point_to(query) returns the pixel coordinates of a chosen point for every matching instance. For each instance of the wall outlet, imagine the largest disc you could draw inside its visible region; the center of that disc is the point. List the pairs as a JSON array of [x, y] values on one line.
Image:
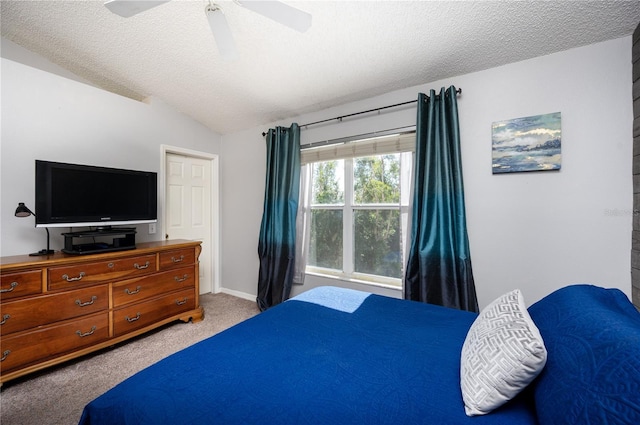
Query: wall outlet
[[152, 228]]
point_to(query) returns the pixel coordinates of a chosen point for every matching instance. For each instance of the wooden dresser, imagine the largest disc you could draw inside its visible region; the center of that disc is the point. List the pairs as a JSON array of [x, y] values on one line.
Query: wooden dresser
[[58, 307]]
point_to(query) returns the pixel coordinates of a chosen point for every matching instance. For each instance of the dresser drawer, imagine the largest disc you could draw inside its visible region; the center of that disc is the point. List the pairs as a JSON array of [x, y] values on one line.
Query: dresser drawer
[[177, 258], [43, 343], [29, 313], [136, 316], [138, 289], [93, 272], [14, 285]]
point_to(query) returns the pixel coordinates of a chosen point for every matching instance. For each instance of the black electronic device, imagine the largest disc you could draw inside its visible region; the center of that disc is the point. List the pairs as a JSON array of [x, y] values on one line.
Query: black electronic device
[[74, 195], [105, 240]]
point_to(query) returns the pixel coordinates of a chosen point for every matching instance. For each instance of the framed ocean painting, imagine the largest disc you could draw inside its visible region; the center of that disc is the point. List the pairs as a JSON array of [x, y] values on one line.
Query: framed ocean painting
[[526, 144]]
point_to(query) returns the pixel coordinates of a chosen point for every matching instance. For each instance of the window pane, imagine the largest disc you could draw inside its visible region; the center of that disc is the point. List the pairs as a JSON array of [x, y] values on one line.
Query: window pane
[[328, 183], [376, 179], [377, 242], [325, 243]]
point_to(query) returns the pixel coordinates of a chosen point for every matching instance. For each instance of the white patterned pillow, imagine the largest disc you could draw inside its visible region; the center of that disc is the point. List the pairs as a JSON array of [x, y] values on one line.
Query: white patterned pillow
[[502, 353]]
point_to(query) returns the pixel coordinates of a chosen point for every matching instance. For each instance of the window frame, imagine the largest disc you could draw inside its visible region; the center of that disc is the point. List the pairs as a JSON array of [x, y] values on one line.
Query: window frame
[[348, 208]]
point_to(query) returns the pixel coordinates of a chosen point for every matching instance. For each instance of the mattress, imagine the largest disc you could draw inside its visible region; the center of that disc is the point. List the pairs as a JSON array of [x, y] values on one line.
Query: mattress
[[328, 356]]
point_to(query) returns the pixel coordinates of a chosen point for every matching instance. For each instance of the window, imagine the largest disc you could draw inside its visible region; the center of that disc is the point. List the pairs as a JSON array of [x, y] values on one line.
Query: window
[[358, 207]]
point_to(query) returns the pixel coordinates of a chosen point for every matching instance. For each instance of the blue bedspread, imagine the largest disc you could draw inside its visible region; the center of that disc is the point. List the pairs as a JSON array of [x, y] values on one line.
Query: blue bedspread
[[329, 356]]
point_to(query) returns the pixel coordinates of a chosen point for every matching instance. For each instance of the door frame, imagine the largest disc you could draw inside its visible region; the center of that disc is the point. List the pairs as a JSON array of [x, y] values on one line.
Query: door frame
[[214, 237]]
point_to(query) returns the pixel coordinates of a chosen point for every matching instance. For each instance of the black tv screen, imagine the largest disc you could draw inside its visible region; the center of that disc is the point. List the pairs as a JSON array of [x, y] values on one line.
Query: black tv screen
[[83, 195]]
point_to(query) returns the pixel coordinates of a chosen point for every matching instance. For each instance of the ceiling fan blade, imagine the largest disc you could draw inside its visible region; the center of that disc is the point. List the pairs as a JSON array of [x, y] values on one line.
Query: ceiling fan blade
[[221, 31], [128, 8], [281, 13]]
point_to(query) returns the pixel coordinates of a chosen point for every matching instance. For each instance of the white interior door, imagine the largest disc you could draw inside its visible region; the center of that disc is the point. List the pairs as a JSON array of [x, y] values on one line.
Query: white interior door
[[188, 195]]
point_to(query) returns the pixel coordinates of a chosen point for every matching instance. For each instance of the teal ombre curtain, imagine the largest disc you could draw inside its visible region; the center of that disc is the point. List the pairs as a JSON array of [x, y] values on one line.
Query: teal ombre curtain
[[439, 263], [276, 244]]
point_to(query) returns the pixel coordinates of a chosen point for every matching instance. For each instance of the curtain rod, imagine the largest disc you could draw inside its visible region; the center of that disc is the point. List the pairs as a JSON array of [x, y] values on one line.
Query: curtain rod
[[340, 118]]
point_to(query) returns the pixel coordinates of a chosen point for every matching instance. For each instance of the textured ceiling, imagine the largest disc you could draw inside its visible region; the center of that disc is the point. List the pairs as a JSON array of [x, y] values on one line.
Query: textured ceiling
[[354, 49]]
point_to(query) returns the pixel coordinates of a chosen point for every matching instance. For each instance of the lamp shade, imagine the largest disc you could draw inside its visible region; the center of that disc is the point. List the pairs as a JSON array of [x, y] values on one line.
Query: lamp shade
[[23, 211]]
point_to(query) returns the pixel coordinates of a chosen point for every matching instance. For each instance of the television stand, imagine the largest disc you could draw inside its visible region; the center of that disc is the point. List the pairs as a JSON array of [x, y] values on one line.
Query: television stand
[[101, 240], [60, 307]]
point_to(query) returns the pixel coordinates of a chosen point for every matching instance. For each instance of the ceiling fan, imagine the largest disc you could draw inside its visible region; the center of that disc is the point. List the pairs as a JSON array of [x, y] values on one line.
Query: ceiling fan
[[274, 10]]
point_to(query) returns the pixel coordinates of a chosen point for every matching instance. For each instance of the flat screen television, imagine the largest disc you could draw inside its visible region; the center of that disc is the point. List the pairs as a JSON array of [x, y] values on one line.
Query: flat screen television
[[74, 195]]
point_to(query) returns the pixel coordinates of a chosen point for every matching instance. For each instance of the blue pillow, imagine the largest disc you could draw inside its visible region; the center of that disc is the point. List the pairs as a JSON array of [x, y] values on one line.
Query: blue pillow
[[592, 375]]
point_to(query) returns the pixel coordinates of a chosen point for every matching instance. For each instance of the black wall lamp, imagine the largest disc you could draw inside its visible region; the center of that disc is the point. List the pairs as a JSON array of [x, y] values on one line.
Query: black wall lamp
[[24, 211]]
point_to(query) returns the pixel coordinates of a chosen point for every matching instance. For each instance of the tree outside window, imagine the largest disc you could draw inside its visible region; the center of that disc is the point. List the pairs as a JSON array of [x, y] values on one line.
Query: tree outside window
[[356, 211]]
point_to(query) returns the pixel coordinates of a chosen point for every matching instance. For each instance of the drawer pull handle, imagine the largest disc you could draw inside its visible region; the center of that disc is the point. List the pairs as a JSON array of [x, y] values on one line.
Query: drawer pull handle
[[110, 265], [133, 319], [5, 354], [82, 335], [13, 286], [128, 292], [181, 302], [181, 279], [5, 318], [139, 267], [73, 279], [177, 259], [81, 304]]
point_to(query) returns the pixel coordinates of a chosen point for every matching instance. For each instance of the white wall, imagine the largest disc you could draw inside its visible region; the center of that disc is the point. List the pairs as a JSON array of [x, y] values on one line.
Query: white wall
[[17, 53], [533, 231], [48, 117]]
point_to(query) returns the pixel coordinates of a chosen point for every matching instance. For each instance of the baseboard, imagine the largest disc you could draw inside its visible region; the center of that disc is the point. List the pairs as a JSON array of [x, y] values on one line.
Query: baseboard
[[238, 294]]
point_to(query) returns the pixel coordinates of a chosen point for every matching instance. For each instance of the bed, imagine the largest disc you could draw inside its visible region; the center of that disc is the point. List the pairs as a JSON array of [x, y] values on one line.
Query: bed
[[338, 356]]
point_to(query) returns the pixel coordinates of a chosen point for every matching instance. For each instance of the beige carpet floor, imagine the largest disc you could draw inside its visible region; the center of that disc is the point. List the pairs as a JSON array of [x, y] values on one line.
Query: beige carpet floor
[[57, 395]]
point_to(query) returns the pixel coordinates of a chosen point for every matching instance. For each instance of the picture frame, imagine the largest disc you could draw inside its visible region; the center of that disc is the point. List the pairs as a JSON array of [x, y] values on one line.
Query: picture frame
[[526, 144]]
